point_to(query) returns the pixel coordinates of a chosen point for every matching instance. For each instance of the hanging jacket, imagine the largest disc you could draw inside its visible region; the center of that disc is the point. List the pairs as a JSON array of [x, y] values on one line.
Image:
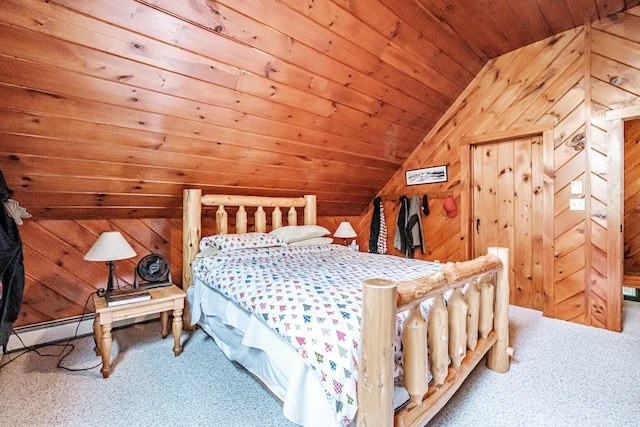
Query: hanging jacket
[[415, 236], [400, 238], [11, 268]]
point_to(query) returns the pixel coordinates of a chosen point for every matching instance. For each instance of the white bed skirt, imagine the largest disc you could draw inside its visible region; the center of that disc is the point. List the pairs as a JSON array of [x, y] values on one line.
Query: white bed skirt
[[245, 339]]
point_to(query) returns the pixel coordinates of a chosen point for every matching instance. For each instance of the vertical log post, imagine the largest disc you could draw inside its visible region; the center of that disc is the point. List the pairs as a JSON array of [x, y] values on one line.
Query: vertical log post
[[487, 298], [261, 220], [192, 231], [292, 217], [458, 310], [276, 218], [498, 355], [414, 340], [472, 296], [222, 220], [438, 339], [310, 210], [241, 220], [375, 378]]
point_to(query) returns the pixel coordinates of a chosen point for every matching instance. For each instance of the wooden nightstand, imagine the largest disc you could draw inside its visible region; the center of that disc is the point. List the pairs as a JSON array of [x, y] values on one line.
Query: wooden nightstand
[[163, 300]]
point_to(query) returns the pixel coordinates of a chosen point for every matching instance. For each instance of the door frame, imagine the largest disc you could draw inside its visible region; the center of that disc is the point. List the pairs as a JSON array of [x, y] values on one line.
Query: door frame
[[615, 209], [466, 162]]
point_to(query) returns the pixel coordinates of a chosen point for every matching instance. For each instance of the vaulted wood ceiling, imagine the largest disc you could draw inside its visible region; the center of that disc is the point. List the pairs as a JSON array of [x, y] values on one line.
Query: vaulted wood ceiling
[[111, 109]]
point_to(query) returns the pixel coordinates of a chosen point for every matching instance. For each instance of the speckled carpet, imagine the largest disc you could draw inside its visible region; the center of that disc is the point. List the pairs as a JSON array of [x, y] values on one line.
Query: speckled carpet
[[562, 374]]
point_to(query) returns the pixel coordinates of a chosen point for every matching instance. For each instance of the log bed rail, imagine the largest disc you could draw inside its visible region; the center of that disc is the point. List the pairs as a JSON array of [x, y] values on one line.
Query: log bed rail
[[456, 339]]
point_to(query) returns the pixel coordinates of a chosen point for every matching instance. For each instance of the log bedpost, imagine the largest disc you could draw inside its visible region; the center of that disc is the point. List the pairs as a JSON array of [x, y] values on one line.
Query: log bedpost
[[499, 353], [310, 210], [192, 231], [191, 217], [375, 378]]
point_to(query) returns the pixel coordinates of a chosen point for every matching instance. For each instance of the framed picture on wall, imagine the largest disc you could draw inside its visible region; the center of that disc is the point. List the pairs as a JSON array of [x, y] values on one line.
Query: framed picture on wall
[[427, 175]]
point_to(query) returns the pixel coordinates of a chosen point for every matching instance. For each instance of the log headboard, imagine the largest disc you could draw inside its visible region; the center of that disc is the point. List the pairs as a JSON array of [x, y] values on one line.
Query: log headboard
[[193, 201]]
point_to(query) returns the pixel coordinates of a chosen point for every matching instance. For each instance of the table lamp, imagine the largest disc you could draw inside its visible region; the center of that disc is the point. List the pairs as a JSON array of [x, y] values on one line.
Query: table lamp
[[110, 247], [345, 231]]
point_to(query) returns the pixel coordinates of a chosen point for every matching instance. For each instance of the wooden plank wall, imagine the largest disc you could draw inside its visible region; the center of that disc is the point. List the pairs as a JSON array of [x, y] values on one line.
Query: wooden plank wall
[[235, 97], [538, 84], [555, 81], [614, 71], [59, 281]]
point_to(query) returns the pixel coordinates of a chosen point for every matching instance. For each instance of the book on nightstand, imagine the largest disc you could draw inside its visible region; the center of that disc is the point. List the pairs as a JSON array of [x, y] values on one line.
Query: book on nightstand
[[126, 296]]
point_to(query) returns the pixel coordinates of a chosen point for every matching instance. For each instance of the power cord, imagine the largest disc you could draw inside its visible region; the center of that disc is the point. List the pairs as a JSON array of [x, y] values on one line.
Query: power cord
[[65, 346]]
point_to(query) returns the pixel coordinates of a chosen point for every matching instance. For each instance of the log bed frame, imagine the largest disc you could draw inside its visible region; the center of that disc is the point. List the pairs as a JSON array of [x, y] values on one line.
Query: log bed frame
[[485, 310]]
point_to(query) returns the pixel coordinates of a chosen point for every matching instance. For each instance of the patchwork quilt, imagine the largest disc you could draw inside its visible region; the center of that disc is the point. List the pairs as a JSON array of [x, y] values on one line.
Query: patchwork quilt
[[311, 296]]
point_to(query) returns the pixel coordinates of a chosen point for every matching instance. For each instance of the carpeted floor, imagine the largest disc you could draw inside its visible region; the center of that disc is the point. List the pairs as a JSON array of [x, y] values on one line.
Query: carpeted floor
[[562, 374]]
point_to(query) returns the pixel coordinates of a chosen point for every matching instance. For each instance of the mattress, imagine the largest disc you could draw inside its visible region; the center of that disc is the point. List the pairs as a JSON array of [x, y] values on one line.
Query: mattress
[[258, 304]]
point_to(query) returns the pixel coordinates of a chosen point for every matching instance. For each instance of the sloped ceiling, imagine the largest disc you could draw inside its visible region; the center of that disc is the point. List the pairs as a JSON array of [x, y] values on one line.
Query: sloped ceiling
[[112, 109]]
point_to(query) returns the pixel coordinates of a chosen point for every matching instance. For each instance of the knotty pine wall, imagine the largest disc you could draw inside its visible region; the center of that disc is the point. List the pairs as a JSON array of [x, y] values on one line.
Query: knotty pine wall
[[566, 83], [59, 282]]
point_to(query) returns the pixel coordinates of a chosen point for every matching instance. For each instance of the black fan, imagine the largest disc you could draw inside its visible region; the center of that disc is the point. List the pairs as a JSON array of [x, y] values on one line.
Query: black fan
[[154, 270]]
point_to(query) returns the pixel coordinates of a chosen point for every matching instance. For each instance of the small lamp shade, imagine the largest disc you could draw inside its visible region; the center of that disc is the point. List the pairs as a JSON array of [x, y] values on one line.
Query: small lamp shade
[[345, 231], [110, 246]]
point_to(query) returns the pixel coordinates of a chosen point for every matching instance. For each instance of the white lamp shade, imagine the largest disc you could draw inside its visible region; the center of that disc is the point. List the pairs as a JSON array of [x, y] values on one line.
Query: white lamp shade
[[345, 231], [110, 246]]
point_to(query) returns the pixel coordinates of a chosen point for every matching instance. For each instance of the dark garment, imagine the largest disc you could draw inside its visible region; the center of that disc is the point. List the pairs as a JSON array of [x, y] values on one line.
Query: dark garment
[[374, 229], [400, 238], [11, 268], [415, 237]]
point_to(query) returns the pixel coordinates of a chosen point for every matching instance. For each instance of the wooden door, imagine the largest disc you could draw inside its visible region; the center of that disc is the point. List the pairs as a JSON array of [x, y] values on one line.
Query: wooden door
[[632, 204], [507, 211]]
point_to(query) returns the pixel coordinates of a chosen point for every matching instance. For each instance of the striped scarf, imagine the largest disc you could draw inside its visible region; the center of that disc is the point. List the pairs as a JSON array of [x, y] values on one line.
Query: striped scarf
[[382, 237]]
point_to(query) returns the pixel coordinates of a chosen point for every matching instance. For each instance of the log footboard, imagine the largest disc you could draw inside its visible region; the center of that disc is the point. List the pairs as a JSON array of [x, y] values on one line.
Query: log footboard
[[456, 339]]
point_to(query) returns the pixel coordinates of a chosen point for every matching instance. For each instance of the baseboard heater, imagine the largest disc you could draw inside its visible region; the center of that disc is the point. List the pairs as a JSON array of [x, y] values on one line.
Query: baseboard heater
[[61, 330]]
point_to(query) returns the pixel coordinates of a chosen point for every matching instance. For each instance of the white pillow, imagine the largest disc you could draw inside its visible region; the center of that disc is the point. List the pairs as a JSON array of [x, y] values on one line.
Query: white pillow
[[296, 233], [314, 241]]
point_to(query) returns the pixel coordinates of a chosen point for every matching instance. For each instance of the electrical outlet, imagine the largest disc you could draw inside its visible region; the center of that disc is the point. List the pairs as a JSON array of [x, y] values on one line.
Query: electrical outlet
[[576, 204], [576, 187]]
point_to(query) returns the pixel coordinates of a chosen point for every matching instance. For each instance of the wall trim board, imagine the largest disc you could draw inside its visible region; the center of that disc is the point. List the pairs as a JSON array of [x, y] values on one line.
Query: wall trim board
[[615, 220], [615, 211], [627, 113], [62, 330], [588, 111], [507, 134]]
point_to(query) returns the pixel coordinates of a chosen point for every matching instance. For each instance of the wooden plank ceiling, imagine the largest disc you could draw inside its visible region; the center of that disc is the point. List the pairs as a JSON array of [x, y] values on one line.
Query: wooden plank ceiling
[[110, 111]]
